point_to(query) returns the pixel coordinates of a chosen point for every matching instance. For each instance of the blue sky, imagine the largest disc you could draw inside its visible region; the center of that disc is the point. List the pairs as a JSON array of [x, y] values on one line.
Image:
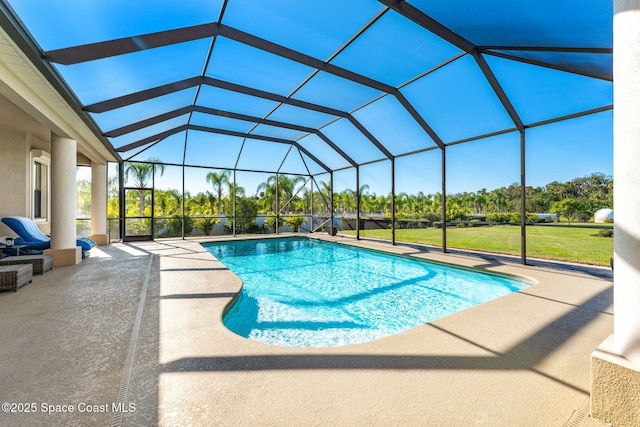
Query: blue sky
[[455, 99]]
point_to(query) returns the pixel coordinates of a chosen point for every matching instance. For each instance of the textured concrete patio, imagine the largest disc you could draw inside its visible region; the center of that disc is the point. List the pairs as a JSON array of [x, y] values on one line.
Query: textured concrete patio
[[137, 328]]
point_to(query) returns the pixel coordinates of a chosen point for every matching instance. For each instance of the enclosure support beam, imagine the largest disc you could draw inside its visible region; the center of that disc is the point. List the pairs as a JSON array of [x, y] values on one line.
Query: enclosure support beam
[[222, 113], [277, 212], [183, 189], [311, 203], [132, 98], [523, 199], [444, 199], [357, 202], [235, 220], [615, 365], [393, 201], [182, 128], [122, 199], [153, 202], [331, 200]]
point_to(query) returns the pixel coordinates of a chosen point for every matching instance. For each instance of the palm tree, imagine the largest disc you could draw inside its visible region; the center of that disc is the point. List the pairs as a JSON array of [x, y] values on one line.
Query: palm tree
[[364, 190], [217, 180], [237, 190], [289, 186], [437, 202], [211, 198], [301, 203], [233, 189], [198, 204], [366, 203], [498, 200], [286, 188], [423, 203], [141, 172], [325, 195], [266, 192], [167, 202], [479, 203], [403, 204]]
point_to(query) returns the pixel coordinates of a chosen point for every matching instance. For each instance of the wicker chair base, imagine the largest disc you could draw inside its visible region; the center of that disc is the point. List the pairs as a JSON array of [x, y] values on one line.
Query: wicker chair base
[[41, 263], [14, 276]]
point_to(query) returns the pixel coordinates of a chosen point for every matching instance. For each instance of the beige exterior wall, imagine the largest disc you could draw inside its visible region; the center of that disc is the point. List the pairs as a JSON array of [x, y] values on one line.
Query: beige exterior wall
[[19, 134], [13, 117], [13, 167]]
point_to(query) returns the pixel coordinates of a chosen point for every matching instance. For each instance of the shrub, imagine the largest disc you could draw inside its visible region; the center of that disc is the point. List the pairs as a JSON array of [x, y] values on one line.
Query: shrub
[[605, 232], [512, 218], [456, 215], [583, 216], [270, 222], [251, 227], [172, 226], [432, 217], [206, 225], [246, 212], [295, 221], [499, 217]]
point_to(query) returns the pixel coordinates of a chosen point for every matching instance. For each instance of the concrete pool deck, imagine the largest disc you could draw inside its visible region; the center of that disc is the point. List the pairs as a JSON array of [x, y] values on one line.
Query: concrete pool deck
[[137, 327]]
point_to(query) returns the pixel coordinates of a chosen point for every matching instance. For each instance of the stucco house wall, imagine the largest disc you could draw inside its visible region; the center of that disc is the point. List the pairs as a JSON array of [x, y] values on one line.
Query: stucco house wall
[[19, 134]]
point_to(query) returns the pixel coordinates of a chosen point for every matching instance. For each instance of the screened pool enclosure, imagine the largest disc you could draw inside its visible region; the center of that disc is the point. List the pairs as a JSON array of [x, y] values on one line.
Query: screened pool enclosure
[[238, 116]]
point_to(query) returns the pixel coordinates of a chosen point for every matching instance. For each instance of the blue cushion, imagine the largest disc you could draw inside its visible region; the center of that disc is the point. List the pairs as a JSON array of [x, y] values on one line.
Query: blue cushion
[[39, 246], [33, 238], [85, 243], [30, 234]]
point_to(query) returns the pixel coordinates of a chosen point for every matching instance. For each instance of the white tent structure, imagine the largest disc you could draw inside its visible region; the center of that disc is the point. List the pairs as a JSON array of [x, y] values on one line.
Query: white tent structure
[[603, 215]]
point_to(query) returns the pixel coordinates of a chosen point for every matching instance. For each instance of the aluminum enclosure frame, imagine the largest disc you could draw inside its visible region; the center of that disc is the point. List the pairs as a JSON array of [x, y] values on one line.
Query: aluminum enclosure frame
[[46, 61]]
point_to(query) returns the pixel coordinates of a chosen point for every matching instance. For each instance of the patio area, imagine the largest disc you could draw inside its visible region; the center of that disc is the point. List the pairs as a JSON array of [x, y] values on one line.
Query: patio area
[[137, 327]]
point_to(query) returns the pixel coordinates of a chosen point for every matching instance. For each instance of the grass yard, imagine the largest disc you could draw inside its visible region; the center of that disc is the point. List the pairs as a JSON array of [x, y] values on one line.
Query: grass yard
[[548, 242]]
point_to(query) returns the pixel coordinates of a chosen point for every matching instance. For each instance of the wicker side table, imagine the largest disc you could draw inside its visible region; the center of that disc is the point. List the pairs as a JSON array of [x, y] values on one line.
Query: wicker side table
[[14, 276], [41, 263]]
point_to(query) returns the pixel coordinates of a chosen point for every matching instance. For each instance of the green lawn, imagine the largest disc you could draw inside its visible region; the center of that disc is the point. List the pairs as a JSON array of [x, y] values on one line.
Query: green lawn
[[559, 243]]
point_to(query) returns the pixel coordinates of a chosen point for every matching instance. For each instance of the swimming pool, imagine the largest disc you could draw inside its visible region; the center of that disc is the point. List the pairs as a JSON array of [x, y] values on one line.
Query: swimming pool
[[307, 293]]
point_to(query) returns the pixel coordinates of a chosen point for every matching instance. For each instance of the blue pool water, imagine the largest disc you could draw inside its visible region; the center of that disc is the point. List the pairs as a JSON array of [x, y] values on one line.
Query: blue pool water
[[308, 293]]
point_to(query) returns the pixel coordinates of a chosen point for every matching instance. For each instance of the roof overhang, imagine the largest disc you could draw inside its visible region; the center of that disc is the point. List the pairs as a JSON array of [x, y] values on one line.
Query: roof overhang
[[24, 82]]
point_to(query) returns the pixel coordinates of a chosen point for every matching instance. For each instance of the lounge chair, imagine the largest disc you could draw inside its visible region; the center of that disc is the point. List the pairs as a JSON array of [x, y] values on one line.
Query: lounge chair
[[34, 239]]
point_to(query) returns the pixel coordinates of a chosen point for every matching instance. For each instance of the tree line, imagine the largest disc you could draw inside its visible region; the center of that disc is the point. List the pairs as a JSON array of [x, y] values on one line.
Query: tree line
[[574, 200]]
